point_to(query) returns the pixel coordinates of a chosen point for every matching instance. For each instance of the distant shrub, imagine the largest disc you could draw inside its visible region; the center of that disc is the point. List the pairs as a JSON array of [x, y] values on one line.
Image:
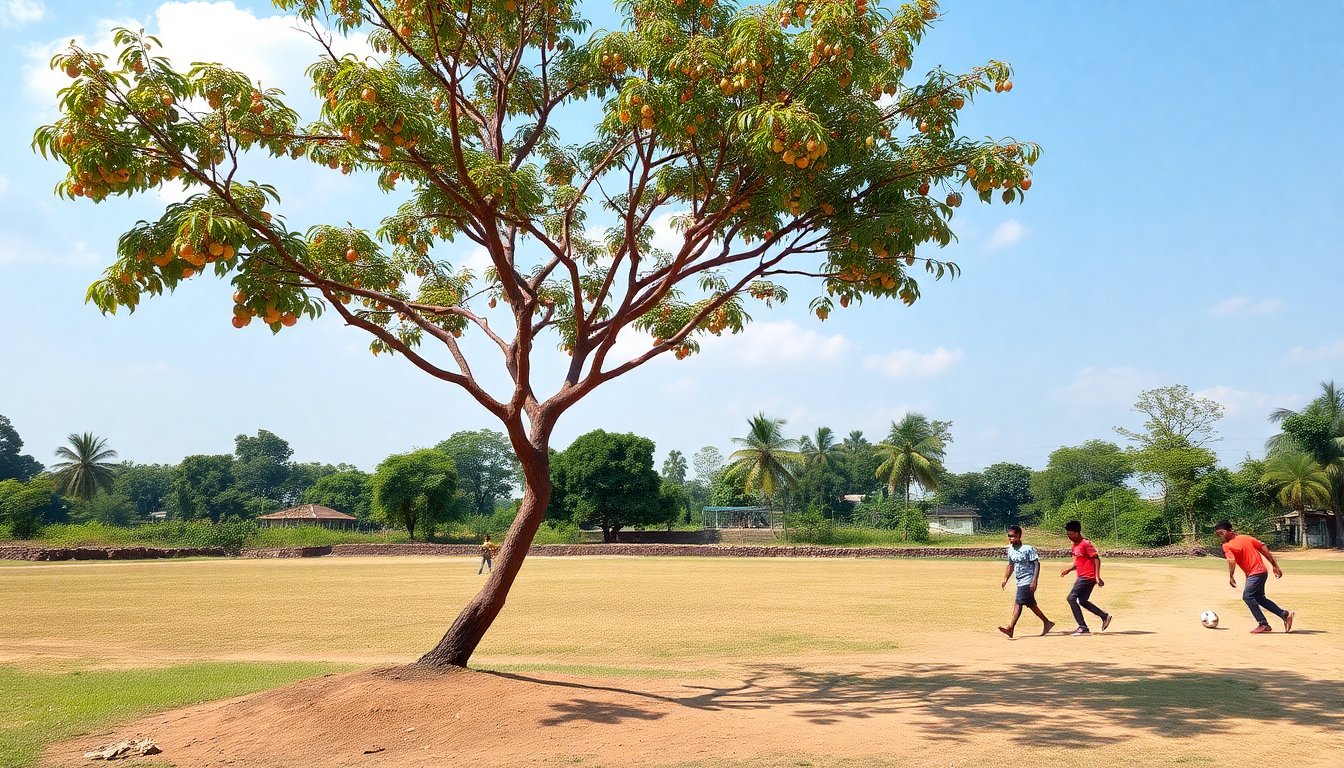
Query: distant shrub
[[556, 532], [810, 527], [232, 536], [1144, 527], [915, 525]]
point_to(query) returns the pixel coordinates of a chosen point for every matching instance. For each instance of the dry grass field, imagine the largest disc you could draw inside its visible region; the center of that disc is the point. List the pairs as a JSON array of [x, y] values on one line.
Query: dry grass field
[[704, 662]]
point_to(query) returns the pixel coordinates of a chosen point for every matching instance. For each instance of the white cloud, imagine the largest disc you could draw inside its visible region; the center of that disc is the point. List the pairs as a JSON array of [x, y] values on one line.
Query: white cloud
[[16, 12], [4, 185], [1305, 354], [664, 235], [1240, 306], [1238, 401], [1008, 233], [772, 344], [1108, 386], [273, 50], [908, 363]]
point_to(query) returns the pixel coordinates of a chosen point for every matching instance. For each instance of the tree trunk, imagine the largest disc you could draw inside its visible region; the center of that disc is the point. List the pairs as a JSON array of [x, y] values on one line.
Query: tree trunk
[[607, 535], [461, 639]]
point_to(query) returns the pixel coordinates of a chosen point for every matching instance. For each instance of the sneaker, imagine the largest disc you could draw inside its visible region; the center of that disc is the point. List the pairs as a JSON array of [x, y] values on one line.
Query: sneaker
[[1262, 629], [1106, 622], [1049, 625], [1288, 621], [1007, 631], [1080, 632]]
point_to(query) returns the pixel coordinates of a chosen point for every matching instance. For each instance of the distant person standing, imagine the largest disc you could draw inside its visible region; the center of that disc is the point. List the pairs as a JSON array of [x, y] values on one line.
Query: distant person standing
[[1087, 562], [488, 550], [1026, 565], [1250, 553]]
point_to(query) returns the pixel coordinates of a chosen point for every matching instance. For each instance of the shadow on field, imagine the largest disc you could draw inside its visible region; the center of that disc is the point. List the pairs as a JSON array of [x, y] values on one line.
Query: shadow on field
[[1019, 703]]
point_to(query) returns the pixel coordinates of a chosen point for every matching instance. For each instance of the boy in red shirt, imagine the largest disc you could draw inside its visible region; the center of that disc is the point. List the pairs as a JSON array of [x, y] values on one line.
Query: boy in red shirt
[[1087, 562], [1250, 553]]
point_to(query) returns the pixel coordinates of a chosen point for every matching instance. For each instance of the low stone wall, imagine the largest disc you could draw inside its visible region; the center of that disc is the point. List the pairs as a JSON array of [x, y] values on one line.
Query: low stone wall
[[35, 553], [271, 553], [721, 550]]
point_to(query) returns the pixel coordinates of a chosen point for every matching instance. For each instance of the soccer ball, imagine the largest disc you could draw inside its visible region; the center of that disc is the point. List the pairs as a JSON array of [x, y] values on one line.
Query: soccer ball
[[1209, 619]]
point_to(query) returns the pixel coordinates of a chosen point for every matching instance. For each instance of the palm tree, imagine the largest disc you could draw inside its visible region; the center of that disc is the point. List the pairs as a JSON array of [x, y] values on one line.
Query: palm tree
[[1323, 441], [1299, 481], [767, 460], [87, 466], [913, 453], [854, 442], [821, 453]]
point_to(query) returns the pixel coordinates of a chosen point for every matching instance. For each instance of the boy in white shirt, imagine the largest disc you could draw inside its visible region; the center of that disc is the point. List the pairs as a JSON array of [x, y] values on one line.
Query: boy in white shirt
[[1023, 561]]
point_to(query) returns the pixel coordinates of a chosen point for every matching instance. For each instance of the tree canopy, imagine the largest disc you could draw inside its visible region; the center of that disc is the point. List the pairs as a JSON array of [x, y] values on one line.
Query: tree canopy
[[486, 467], [784, 141], [607, 479], [15, 465], [414, 489]]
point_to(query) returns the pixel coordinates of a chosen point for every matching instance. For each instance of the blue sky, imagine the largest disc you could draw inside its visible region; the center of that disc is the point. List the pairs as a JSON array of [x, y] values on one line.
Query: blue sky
[[1184, 228]]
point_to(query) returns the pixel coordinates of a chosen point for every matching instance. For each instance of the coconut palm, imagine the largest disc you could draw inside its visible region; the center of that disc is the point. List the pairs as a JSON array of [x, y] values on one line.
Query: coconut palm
[[1298, 480], [821, 454], [88, 466], [854, 442], [913, 453], [1322, 439], [819, 449], [767, 460]]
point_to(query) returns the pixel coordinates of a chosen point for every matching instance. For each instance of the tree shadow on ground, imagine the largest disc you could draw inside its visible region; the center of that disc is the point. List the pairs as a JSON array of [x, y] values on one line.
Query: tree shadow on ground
[[1020, 703]]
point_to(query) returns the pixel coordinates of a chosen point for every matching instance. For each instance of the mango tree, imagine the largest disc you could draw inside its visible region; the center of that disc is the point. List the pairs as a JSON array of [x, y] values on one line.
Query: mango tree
[[791, 141]]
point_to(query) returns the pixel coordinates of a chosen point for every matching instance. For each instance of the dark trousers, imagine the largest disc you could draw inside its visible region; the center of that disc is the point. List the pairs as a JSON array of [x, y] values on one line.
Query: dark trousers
[[1078, 599], [485, 564], [1254, 596]]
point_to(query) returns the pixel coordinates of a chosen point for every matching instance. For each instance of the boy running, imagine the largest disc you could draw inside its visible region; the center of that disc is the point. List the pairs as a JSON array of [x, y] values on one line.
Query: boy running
[[1250, 553], [1087, 562], [1023, 561], [488, 550]]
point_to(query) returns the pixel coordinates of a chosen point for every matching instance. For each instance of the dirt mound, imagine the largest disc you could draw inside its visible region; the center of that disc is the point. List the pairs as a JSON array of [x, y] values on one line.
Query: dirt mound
[[869, 713], [413, 716]]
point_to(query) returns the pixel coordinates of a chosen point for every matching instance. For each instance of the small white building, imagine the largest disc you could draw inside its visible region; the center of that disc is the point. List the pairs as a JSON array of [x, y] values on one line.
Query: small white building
[[963, 520]]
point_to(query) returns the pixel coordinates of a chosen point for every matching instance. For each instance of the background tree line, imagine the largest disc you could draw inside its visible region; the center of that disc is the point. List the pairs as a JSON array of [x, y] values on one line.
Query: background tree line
[[608, 481]]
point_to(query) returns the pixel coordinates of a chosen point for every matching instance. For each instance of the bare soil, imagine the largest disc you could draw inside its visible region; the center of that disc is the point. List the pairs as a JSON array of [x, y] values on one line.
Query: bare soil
[[1157, 689]]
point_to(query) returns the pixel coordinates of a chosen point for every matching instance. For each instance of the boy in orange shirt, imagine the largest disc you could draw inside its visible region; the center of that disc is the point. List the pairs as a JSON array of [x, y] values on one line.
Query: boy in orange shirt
[[1250, 553]]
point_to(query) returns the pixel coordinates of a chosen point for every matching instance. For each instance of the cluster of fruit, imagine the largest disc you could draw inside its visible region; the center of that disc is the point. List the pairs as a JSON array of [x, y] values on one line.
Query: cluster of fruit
[[243, 312], [799, 153]]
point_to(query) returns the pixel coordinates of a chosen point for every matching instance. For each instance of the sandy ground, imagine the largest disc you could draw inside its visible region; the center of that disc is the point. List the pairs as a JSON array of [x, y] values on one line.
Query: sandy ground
[[1157, 689]]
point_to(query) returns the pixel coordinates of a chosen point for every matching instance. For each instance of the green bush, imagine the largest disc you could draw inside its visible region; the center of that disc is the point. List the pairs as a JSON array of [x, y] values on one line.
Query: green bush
[[915, 525], [232, 535], [555, 532], [1144, 527], [810, 527]]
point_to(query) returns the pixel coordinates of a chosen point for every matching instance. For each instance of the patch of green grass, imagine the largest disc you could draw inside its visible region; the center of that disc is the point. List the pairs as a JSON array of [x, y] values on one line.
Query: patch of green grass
[[40, 708]]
